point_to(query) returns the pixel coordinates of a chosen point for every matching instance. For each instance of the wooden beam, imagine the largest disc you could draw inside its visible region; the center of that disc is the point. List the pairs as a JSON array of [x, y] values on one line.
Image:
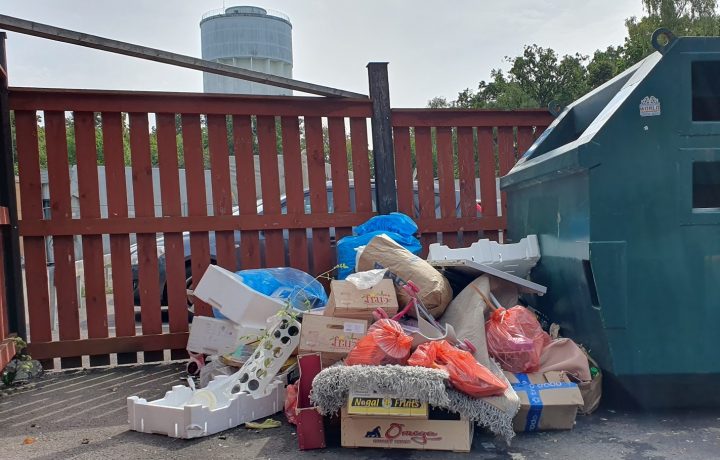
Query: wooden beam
[[4, 216], [66, 348], [127, 225], [470, 117], [460, 224], [9, 237], [49, 32], [80, 100], [385, 188]]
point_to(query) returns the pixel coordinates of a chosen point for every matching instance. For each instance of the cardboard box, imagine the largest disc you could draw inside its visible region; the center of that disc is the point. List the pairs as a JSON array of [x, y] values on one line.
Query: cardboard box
[[405, 433], [548, 401], [347, 301], [362, 401], [332, 337]]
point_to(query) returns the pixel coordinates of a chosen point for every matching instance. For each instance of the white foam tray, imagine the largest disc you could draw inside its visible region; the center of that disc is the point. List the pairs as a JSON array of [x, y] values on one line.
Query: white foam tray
[[168, 416], [236, 301], [517, 258]]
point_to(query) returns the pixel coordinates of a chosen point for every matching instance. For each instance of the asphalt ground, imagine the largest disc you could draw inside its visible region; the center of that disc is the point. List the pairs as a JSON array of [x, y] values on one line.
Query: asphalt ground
[[82, 414]]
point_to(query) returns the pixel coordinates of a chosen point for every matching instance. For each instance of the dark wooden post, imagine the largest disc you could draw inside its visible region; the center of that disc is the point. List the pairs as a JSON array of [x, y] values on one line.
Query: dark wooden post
[[385, 190], [10, 236]]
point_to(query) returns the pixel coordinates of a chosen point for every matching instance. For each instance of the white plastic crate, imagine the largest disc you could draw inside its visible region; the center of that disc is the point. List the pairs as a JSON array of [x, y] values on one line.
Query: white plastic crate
[[172, 417], [517, 258], [236, 301]]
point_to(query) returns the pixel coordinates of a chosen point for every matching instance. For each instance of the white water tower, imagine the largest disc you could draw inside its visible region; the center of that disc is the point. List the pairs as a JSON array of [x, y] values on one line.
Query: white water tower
[[251, 38]]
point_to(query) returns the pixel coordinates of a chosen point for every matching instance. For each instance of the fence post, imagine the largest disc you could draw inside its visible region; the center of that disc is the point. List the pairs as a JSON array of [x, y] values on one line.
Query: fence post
[[11, 238], [384, 158]]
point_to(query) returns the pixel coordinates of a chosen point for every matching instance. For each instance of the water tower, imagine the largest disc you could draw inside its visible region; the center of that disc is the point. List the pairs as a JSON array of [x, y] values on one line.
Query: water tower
[[251, 38]]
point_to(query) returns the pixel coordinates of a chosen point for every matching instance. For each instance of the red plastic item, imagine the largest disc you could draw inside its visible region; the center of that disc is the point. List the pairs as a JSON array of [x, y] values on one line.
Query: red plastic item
[[516, 339], [385, 343], [466, 374], [310, 426], [291, 400]]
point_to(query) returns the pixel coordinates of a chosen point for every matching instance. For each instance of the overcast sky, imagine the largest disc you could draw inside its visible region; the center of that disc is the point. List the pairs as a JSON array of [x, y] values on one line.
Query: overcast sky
[[434, 48]]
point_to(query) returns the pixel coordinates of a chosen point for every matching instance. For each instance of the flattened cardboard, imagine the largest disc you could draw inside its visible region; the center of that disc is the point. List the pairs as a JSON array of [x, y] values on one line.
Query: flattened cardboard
[[404, 433], [332, 337], [347, 301], [548, 401], [362, 401]]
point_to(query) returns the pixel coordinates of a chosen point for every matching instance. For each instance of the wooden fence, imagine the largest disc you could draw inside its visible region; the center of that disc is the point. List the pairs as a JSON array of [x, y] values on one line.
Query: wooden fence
[[298, 230]]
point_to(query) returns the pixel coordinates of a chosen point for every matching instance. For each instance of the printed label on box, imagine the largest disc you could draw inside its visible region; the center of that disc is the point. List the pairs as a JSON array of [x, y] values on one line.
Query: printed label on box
[[355, 328]]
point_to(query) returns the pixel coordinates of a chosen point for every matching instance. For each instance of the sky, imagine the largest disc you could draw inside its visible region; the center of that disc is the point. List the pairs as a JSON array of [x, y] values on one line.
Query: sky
[[433, 48]]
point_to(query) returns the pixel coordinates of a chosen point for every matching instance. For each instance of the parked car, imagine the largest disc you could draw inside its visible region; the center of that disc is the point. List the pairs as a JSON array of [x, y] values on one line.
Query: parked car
[[283, 203]]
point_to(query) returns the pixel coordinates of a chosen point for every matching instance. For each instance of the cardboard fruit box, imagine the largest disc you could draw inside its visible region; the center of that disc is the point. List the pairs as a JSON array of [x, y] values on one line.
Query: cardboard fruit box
[[332, 337], [362, 401], [405, 433], [548, 401], [347, 301]]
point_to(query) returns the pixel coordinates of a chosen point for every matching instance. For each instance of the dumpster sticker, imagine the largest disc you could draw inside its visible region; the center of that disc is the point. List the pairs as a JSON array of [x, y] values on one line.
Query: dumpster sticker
[[649, 106]]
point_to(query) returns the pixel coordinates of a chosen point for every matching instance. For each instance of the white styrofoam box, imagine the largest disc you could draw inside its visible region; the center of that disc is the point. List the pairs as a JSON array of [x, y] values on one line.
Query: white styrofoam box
[[172, 417], [236, 301], [212, 336], [517, 258]]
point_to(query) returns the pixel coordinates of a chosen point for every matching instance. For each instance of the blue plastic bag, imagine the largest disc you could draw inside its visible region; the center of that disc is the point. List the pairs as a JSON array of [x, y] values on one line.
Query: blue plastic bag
[[396, 225], [395, 222], [301, 290]]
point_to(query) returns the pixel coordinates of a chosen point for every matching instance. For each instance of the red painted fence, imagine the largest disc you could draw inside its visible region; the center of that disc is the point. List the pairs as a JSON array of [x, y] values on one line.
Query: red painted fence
[[299, 230], [7, 345]]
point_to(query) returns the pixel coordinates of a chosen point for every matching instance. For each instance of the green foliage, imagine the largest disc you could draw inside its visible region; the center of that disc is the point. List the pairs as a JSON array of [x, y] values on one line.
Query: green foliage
[[539, 75]]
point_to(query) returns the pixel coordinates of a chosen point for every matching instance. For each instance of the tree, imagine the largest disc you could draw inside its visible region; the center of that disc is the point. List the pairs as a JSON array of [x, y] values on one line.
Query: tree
[[538, 76]]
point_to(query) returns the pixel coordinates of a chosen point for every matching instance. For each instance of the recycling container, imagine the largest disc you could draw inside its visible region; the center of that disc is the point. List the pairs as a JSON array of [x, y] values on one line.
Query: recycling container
[[623, 191]]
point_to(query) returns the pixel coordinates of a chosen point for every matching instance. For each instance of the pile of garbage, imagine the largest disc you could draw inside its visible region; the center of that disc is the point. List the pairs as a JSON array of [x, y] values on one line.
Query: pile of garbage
[[407, 353]]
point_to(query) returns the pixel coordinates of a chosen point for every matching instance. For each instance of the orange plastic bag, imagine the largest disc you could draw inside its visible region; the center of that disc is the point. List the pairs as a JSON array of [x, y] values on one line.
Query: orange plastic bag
[[291, 400], [516, 339], [466, 374], [385, 343]]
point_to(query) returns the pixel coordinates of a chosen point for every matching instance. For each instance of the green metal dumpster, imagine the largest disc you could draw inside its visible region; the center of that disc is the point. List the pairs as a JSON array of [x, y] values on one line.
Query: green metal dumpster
[[623, 191]]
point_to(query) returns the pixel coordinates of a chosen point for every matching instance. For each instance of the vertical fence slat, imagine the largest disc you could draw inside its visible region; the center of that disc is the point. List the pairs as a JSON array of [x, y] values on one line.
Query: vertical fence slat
[[488, 193], [292, 162], [4, 326], [92, 246], [426, 182], [446, 185], [197, 201], [175, 270], [361, 165], [63, 246], [222, 196], [525, 139], [245, 171], [506, 155], [270, 185], [123, 299], [339, 171], [36, 277], [148, 270], [403, 169], [322, 254], [466, 173]]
